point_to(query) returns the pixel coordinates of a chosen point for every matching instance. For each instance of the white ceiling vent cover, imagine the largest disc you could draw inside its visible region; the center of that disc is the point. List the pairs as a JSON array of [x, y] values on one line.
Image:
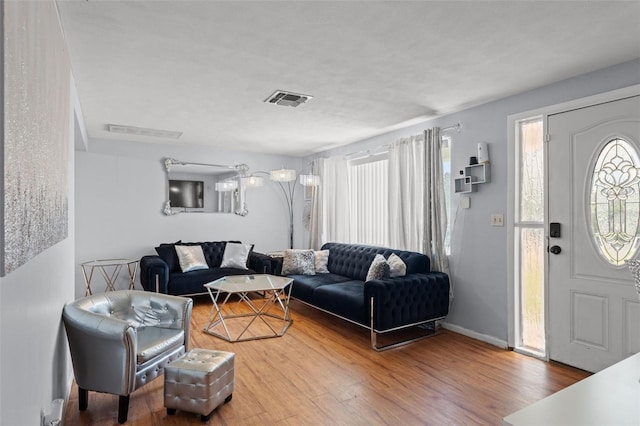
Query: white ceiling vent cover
[[141, 131], [280, 97]]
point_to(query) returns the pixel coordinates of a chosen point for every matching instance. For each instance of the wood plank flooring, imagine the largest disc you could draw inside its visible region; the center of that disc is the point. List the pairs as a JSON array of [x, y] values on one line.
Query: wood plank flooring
[[322, 372]]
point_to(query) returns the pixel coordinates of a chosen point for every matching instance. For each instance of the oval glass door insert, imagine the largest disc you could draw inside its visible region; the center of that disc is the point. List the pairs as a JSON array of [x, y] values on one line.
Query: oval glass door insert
[[615, 201]]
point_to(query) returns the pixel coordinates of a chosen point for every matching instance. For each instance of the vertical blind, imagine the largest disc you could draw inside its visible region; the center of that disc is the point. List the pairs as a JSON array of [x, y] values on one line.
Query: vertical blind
[[369, 199]]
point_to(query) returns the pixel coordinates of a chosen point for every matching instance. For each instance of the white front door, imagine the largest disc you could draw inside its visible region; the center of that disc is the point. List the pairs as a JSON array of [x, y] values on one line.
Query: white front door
[[594, 312]]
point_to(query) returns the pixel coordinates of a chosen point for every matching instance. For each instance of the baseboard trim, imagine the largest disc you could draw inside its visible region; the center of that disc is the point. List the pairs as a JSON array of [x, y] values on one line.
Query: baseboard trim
[[475, 335]]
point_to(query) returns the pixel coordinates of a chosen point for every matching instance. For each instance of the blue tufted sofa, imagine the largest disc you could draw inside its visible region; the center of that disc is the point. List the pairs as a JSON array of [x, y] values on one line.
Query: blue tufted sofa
[[417, 299], [162, 272]]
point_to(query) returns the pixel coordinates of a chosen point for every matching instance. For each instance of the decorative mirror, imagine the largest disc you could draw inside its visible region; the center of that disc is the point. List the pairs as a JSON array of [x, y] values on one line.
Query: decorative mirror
[[204, 188]]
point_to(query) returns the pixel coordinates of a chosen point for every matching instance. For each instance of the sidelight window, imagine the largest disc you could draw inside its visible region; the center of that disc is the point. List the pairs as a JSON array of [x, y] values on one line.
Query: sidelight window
[[529, 236]]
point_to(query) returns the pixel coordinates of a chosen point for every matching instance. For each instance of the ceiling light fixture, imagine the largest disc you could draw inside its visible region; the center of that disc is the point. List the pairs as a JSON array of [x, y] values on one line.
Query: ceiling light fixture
[[141, 131]]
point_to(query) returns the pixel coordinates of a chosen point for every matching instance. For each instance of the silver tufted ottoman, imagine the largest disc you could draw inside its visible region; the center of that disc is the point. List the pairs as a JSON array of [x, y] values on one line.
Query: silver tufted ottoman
[[199, 381]]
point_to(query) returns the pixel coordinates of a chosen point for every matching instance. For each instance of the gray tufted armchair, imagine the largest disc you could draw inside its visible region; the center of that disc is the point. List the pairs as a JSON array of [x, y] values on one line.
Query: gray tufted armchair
[[121, 340]]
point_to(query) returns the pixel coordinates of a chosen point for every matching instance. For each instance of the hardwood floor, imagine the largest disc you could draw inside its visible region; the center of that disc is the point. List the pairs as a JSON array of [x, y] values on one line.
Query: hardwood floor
[[322, 372]]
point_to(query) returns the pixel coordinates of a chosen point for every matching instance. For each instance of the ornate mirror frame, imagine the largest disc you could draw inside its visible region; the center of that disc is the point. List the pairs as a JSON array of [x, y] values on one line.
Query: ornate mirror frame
[[219, 187]]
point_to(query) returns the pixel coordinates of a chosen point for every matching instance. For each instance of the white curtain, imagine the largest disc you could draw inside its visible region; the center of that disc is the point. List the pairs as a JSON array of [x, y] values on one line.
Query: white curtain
[[417, 211], [330, 204], [435, 208], [417, 215], [407, 194]]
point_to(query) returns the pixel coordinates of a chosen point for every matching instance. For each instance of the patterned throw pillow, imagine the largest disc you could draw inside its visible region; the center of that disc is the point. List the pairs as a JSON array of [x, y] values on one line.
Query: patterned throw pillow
[[191, 258], [322, 259], [236, 255], [298, 262], [379, 268], [397, 268]]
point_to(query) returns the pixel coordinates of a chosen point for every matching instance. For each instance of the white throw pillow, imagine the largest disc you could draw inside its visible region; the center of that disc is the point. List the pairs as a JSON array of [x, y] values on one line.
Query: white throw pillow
[[397, 268], [298, 262], [236, 255], [191, 258], [322, 259], [379, 268]]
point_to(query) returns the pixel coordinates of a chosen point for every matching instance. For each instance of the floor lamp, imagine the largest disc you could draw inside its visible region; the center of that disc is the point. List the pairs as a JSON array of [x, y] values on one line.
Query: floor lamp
[[286, 179]]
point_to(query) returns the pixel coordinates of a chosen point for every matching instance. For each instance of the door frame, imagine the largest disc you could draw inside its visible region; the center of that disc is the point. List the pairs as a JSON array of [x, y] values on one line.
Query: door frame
[[512, 120]]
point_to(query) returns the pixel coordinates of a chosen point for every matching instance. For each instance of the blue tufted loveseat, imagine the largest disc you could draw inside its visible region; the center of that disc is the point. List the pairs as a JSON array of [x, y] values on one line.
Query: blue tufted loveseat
[[419, 298], [162, 273]]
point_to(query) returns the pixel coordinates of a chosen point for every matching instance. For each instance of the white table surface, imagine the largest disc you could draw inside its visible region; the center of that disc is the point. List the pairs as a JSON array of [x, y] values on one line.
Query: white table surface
[[609, 397]]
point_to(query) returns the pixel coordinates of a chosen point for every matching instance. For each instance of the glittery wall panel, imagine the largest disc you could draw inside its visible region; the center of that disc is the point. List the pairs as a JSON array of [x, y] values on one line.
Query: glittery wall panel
[[36, 140]]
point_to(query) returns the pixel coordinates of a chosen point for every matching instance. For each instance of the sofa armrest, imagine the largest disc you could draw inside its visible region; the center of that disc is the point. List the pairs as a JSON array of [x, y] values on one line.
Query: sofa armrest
[[152, 267], [276, 265], [260, 263], [102, 351], [411, 299]]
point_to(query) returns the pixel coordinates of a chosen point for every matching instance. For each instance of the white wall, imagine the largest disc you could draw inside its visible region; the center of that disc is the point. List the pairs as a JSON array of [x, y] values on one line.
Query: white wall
[[479, 251], [34, 361], [121, 190]]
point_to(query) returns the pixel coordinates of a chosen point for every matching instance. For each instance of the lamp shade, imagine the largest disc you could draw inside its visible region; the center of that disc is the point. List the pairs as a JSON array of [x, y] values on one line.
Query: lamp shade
[[309, 180], [283, 175], [252, 181], [226, 185]]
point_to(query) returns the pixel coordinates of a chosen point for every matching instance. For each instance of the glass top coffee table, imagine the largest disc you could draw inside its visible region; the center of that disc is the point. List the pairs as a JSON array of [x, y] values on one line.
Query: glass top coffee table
[[249, 307]]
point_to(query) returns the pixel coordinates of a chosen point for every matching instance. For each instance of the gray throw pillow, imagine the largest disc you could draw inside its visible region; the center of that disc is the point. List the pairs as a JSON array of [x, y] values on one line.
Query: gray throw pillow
[[298, 262], [235, 256], [397, 268], [191, 258], [379, 268], [322, 259]]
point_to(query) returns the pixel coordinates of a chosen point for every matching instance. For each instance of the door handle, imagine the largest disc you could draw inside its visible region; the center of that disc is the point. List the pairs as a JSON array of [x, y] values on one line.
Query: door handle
[[555, 249]]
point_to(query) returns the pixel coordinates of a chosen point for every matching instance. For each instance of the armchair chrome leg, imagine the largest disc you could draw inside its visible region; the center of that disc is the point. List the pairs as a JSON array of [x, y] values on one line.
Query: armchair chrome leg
[[83, 399], [123, 408]]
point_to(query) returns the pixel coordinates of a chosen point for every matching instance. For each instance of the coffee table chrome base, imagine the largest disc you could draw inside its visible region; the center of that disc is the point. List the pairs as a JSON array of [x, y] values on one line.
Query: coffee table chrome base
[[273, 299]]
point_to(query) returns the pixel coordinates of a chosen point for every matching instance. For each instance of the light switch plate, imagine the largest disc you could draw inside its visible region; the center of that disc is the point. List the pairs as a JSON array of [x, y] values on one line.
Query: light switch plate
[[465, 202], [497, 219]]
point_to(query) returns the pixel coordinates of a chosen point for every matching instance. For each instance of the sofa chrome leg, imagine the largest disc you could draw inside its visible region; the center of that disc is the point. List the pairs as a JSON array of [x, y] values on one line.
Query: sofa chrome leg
[[83, 399], [399, 343], [123, 408], [431, 331]]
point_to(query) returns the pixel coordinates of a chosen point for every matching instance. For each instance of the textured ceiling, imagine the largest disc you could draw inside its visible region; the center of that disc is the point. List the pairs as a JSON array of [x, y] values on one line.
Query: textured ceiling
[[204, 68]]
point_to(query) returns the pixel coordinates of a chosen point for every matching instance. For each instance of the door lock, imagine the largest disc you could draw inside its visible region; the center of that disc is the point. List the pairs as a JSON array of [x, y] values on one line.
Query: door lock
[[555, 249]]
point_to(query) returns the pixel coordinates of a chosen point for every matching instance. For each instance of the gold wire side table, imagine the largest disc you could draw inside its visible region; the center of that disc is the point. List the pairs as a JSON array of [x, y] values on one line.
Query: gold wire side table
[[110, 270]]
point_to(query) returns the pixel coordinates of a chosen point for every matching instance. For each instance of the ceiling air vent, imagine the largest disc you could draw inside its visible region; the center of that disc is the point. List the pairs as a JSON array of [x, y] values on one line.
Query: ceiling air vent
[[280, 97], [141, 131]]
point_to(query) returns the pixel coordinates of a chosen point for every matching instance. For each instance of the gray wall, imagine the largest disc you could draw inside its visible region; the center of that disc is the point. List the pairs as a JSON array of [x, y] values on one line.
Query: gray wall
[[479, 251], [34, 361], [121, 190]]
